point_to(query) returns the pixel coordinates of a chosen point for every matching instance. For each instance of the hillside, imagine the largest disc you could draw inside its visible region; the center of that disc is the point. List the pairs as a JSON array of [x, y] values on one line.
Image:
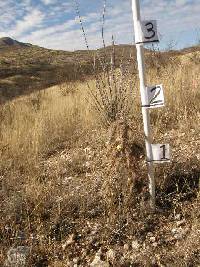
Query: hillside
[[7, 42], [73, 179], [25, 68]]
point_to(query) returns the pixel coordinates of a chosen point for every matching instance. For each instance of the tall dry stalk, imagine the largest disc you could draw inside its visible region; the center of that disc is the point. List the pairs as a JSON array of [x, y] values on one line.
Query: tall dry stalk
[[112, 95], [112, 98]]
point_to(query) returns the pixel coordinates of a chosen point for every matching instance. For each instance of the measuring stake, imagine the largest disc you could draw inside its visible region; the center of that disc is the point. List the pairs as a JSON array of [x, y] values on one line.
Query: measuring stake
[[145, 111]]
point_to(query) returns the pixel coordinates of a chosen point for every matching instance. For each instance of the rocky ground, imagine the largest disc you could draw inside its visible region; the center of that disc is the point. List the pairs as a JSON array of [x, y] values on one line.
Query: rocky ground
[[82, 235]]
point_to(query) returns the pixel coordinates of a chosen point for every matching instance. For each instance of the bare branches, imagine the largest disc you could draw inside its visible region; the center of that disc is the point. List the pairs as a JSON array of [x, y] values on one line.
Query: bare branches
[[103, 23], [110, 95], [81, 24]]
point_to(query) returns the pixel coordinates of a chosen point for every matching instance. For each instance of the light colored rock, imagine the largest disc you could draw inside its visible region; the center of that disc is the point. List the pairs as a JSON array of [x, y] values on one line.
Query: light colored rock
[[17, 257], [126, 247], [155, 244], [180, 223], [135, 245], [177, 217], [178, 236], [149, 234], [154, 261], [69, 241], [97, 262], [180, 233], [110, 254], [152, 239], [75, 262], [174, 231]]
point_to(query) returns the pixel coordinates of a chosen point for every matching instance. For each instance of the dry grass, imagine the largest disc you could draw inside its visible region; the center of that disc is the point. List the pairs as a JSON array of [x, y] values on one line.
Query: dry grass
[[62, 180], [38, 124]]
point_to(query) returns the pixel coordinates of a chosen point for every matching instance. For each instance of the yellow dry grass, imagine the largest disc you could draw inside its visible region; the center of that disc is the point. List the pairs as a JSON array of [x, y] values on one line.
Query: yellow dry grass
[[35, 127], [39, 123]]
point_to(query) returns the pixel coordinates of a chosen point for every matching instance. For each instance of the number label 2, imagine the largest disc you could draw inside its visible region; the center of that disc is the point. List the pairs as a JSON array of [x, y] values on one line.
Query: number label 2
[[160, 153], [154, 97], [147, 32]]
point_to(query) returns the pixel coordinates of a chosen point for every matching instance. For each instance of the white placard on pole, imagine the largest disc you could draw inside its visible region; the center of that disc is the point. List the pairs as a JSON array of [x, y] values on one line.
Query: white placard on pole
[[154, 97], [146, 32], [151, 96], [160, 153], [143, 93]]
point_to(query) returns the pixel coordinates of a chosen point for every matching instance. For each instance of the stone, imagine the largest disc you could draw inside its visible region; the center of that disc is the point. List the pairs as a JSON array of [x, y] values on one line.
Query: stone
[[135, 245], [149, 234], [75, 262], [110, 255], [180, 233], [69, 241], [155, 244], [152, 239], [97, 262], [178, 236], [180, 223], [177, 217], [17, 257], [126, 247], [174, 231]]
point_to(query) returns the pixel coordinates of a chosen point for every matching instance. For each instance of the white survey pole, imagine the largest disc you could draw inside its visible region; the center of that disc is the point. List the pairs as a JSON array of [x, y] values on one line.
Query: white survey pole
[[145, 110]]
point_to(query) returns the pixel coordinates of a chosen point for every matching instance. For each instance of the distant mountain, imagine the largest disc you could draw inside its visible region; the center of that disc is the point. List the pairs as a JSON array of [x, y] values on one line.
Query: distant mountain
[[191, 49], [7, 42], [25, 67]]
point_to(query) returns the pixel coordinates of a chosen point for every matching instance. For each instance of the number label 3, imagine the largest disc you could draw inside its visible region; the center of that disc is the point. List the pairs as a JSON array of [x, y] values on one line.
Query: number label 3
[[147, 32]]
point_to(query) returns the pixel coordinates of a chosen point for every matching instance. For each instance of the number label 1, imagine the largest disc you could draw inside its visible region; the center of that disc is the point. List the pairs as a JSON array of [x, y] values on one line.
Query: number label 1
[[160, 153], [154, 97], [147, 32]]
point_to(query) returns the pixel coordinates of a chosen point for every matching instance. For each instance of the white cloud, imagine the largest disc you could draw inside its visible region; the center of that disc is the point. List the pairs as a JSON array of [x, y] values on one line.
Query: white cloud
[[31, 20], [48, 2], [181, 2], [43, 33], [55, 26]]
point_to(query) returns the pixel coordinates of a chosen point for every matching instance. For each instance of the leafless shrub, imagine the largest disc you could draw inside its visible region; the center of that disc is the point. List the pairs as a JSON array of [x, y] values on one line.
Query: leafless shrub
[[112, 93]]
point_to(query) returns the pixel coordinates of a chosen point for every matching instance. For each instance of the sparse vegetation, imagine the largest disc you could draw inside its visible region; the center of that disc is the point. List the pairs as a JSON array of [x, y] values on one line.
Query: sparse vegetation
[[73, 188]]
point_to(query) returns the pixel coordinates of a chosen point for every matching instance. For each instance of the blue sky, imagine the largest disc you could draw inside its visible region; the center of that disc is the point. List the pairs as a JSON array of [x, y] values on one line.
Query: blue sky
[[54, 24]]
